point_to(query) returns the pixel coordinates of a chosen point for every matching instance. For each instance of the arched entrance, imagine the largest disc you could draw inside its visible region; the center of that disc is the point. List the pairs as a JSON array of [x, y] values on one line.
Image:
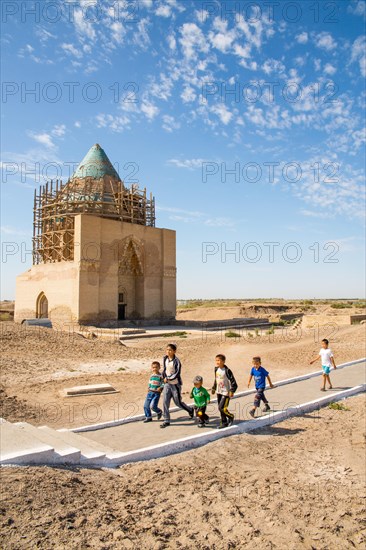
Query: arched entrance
[[122, 303], [130, 279], [42, 307]]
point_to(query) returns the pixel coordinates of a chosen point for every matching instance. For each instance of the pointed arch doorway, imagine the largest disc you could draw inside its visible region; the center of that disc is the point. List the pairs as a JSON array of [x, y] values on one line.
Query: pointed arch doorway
[[130, 279], [42, 306]]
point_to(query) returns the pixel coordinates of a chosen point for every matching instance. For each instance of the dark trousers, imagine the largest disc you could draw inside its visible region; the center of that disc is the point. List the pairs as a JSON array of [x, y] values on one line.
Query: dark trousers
[[173, 391], [259, 396], [223, 403], [201, 415]]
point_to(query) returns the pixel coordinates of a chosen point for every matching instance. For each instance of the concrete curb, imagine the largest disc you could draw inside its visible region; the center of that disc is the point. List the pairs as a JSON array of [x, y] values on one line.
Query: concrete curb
[[140, 417], [192, 442]]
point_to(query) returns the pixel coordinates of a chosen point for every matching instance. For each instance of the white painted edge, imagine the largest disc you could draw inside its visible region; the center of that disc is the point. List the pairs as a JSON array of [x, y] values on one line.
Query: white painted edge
[[139, 417], [191, 442], [187, 443]]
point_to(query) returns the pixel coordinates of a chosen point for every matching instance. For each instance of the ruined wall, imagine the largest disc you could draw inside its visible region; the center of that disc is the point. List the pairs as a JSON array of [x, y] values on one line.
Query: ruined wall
[[58, 281]]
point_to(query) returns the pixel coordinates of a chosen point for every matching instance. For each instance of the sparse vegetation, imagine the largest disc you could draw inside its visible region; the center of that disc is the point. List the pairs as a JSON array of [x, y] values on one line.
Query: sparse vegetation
[[341, 305], [231, 334], [192, 304], [5, 317], [337, 406], [178, 333], [271, 330]]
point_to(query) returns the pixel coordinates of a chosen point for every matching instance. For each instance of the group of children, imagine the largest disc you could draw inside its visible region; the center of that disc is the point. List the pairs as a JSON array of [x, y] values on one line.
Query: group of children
[[169, 383]]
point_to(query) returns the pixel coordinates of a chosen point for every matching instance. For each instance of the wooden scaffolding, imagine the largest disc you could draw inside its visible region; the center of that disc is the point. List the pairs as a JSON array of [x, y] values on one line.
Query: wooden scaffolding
[[56, 204]]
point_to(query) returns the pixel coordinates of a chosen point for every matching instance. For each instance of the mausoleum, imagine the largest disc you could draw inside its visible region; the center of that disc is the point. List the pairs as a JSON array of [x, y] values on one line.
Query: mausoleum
[[97, 255]]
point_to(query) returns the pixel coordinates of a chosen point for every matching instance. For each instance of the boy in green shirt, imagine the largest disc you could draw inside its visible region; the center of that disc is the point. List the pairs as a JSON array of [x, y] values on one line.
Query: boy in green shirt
[[201, 399]]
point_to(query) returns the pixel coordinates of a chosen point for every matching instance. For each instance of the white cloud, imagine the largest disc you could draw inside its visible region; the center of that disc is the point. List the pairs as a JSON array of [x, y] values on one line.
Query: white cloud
[[252, 31], [357, 7], [83, 26], [310, 213], [163, 11], [300, 60], [70, 49], [359, 138], [28, 51], [222, 112], [317, 64], [188, 95], [115, 123], [190, 164], [201, 15], [302, 38], [77, 124], [44, 35], [172, 42], [44, 139], [59, 130], [149, 109], [222, 41], [329, 69], [118, 32], [192, 40], [220, 222], [325, 41], [359, 53], [141, 38], [242, 51], [162, 89], [170, 124], [273, 66]]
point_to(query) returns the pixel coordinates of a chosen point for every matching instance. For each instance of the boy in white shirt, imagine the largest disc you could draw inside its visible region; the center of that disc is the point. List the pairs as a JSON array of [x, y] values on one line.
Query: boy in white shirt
[[327, 360]]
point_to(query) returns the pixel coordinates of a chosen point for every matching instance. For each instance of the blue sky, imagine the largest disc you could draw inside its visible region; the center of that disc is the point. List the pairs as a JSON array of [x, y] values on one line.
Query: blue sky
[[246, 122]]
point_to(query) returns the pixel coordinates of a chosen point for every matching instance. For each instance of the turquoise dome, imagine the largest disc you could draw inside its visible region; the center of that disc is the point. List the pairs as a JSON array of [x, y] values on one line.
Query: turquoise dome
[[95, 165]]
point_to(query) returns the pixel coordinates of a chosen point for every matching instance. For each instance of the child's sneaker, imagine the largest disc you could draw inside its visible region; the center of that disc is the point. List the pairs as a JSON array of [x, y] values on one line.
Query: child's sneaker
[[164, 424], [266, 408], [252, 413], [230, 422], [201, 425], [160, 415], [147, 420], [222, 426]]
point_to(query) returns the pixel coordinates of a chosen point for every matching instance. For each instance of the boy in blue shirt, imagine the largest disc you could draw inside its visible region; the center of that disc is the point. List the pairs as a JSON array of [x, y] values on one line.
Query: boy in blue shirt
[[260, 374]]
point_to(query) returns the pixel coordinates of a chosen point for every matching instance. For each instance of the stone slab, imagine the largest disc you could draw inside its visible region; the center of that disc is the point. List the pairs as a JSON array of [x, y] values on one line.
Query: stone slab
[[92, 389]]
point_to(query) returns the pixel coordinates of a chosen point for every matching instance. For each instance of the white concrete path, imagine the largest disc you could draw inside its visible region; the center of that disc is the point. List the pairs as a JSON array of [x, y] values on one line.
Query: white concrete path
[[129, 439]]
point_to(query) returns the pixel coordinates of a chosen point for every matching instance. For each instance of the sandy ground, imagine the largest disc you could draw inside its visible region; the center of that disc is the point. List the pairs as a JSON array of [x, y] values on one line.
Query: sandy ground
[[38, 364], [297, 485]]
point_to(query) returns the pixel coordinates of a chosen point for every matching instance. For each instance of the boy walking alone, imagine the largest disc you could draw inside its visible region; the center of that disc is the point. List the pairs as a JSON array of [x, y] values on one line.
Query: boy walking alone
[[154, 390], [327, 360], [260, 374], [225, 385]]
